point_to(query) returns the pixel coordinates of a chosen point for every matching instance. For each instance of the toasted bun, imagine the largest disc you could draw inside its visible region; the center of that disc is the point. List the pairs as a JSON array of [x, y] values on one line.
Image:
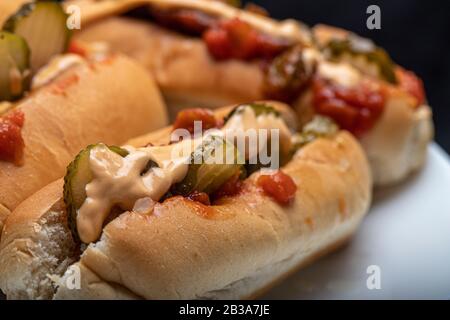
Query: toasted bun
[[94, 10], [111, 101], [233, 249], [397, 145], [182, 66]]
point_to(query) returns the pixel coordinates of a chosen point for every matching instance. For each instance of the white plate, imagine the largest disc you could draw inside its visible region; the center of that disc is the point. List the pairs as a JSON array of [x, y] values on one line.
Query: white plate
[[406, 234]]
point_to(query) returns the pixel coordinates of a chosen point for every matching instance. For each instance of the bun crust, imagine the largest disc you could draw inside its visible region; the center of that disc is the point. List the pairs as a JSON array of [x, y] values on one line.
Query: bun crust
[[111, 102], [397, 145], [232, 249], [182, 66], [94, 10], [209, 83]]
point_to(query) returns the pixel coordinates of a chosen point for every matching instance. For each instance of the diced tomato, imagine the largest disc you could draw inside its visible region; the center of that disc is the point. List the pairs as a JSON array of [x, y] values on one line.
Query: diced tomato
[[200, 197], [11, 141], [355, 109], [232, 39], [230, 188], [236, 39], [227, 38], [412, 84], [186, 119], [17, 117], [279, 186], [189, 21], [76, 48]]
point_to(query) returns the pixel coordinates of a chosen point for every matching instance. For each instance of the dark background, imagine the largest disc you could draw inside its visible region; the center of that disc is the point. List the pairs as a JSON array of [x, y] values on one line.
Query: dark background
[[416, 33]]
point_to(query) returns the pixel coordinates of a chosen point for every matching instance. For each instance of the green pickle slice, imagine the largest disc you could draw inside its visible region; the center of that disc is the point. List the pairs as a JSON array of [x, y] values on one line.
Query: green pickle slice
[[212, 164], [14, 63], [258, 108], [43, 25], [78, 176], [364, 55]]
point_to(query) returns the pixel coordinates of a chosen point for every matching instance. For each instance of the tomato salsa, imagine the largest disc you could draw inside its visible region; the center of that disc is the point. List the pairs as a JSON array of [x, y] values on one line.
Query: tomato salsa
[[355, 109], [186, 119], [11, 141], [411, 83], [225, 38], [279, 186]]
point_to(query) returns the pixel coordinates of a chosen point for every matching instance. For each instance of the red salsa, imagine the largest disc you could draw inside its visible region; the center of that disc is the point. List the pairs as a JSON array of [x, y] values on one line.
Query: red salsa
[[200, 197], [186, 119], [77, 48], [225, 39], [412, 84], [236, 39], [230, 188], [355, 109], [279, 186], [11, 141]]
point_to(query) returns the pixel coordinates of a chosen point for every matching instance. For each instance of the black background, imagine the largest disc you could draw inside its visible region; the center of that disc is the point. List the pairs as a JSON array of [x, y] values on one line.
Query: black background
[[416, 33]]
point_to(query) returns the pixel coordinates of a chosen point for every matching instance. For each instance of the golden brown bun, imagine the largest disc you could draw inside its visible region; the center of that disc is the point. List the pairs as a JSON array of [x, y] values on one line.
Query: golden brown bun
[[110, 101], [397, 145], [184, 250], [94, 10], [183, 68]]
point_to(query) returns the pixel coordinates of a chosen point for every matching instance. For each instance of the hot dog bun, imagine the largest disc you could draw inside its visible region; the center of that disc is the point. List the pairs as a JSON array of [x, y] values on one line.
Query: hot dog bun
[[169, 54], [233, 249], [182, 66], [397, 144], [395, 147], [109, 101]]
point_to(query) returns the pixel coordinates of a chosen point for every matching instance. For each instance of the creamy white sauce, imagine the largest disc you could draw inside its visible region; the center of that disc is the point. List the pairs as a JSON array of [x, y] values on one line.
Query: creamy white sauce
[[118, 181], [245, 122], [54, 68], [340, 73]]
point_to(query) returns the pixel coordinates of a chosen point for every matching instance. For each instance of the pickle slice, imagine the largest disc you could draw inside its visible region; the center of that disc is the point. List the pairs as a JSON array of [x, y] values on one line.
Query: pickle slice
[[318, 127], [212, 164], [364, 55], [77, 177], [43, 24], [14, 63], [258, 108], [288, 75]]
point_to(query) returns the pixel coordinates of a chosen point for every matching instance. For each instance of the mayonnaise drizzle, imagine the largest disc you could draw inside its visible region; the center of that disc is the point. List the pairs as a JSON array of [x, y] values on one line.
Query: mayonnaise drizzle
[[119, 180], [245, 120], [342, 73]]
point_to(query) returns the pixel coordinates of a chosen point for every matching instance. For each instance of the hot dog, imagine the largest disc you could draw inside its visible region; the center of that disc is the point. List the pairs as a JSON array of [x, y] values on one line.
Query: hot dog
[[383, 104], [192, 230], [51, 111]]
